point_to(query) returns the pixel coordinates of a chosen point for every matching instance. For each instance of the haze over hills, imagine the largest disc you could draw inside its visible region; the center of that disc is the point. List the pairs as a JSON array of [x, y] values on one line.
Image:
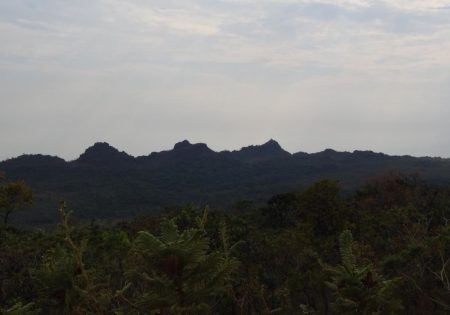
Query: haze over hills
[[107, 183]]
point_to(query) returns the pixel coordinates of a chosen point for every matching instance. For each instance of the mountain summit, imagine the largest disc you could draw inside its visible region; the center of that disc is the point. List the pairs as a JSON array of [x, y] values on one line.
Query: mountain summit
[[272, 146], [104, 182], [185, 145], [269, 150], [182, 145], [101, 153]]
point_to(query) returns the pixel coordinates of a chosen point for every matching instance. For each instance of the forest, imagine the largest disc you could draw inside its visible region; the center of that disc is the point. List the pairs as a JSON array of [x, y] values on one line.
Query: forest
[[104, 183], [141, 173], [383, 249]]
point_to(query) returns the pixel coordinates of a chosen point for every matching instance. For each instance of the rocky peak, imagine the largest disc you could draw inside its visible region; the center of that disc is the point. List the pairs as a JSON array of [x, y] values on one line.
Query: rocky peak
[[270, 149], [102, 152], [272, 146], [185, 146], [182, 145]]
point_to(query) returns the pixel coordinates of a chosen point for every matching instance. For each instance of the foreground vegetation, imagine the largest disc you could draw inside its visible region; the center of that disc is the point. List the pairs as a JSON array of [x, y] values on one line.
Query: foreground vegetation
[[383, 250]]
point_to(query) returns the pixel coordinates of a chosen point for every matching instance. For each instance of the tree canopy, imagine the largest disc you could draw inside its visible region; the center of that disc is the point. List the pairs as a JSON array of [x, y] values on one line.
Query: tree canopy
[[14, 195]]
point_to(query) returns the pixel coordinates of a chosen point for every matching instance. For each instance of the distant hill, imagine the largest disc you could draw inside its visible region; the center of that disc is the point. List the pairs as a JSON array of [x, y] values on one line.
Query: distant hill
[[106, 183]]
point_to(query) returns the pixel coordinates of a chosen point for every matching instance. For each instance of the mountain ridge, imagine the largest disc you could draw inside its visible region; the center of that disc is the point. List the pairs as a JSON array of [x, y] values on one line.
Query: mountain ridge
[[104, 182], [100, 148]]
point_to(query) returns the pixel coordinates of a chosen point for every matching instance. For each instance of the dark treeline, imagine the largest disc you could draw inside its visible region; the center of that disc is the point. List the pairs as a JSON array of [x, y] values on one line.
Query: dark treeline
[[385, 249], [104, 183]]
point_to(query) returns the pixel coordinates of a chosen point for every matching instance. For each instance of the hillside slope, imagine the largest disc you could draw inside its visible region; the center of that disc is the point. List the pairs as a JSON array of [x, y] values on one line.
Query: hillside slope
[[106, 183]]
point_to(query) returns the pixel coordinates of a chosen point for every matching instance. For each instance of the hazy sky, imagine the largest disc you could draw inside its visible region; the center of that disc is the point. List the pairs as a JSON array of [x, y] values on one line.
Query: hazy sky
[[142, 75]]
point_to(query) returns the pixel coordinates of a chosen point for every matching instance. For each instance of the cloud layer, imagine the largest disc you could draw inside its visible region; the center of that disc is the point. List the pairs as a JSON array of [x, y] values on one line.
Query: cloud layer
[[346, 74]]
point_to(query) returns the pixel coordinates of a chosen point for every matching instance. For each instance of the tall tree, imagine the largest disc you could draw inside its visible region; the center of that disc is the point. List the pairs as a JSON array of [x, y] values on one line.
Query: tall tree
[[14, 195]]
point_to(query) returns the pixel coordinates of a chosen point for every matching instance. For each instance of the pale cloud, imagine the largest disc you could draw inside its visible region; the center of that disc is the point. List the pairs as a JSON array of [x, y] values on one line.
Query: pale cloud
[[183, 21], [228, 72]]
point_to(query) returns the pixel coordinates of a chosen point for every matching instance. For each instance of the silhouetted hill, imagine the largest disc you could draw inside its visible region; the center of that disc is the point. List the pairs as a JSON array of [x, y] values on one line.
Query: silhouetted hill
[[33, 160], [106, 183], [102, 154], [256, 153]]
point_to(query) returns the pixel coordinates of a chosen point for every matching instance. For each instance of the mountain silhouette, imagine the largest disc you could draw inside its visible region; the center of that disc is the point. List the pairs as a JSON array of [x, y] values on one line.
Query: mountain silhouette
[[101, 154], [107, 183], [254, 153]]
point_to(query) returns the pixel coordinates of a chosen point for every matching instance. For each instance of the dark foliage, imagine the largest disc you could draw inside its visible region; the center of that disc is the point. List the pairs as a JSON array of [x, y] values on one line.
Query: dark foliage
[[384, 249], [104, 183]]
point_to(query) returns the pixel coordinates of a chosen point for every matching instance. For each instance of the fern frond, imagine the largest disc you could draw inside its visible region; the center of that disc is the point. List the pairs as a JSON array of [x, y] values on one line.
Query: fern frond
[[345, 248], [169, 231]]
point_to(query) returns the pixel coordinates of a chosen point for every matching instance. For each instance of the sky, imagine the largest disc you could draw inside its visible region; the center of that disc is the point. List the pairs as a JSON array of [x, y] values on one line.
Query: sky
[[145, 74]]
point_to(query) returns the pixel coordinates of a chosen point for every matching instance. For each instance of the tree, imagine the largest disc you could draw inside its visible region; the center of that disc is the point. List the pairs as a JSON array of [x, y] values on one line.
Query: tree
[[321, 207], [14, 195], [176, 273], [280, 210], [359, 289]]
